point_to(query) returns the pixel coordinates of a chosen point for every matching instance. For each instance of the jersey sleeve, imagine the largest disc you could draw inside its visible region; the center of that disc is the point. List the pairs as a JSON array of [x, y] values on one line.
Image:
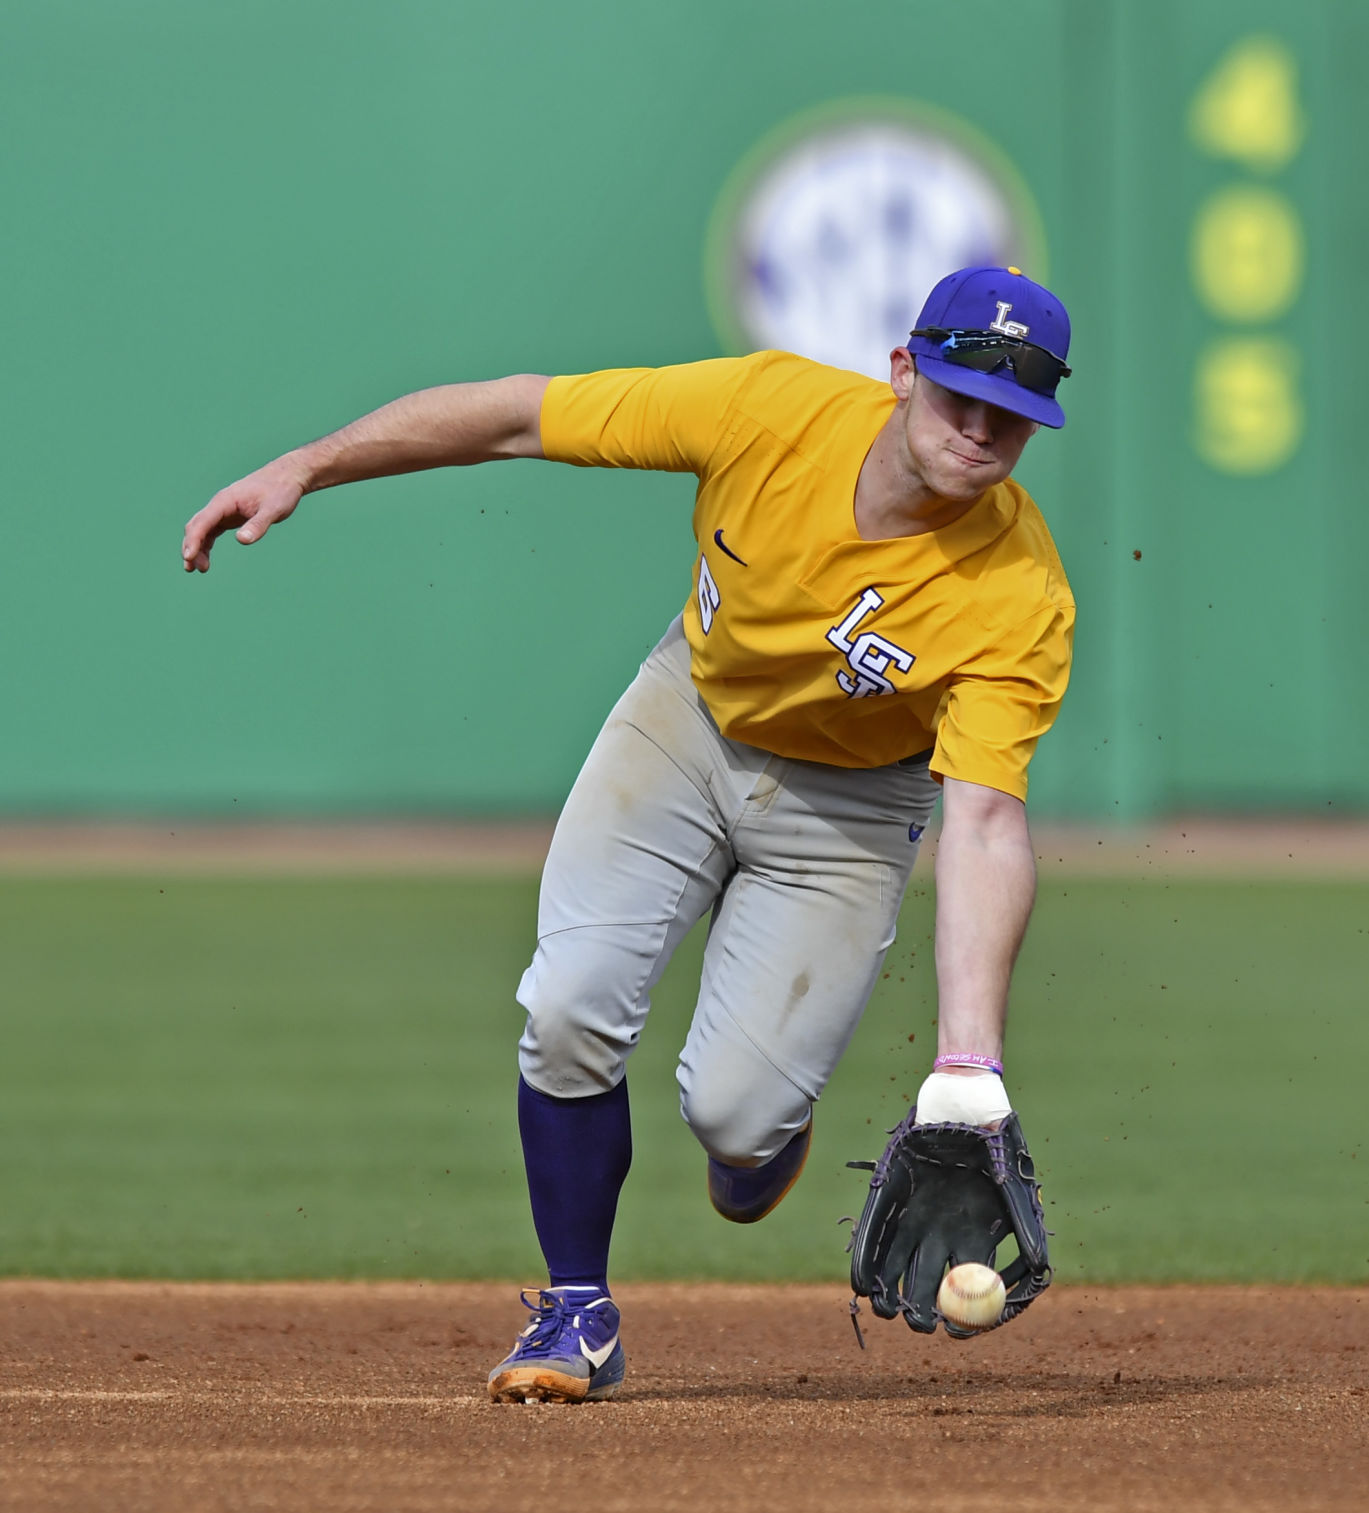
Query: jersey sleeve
[[996, 712], [669, 419]]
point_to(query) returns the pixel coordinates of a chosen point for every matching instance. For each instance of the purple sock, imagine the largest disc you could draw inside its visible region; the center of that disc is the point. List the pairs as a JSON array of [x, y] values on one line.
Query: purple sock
[[577, 1152]]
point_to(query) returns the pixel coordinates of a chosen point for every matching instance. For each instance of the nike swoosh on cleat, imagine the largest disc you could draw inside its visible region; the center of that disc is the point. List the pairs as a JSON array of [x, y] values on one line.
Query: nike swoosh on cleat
[[596, 1358], [722, 545]]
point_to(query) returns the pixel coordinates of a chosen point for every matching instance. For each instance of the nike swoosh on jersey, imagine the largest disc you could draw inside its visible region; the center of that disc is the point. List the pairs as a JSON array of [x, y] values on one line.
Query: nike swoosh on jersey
[[596, 1358], [723, 546]]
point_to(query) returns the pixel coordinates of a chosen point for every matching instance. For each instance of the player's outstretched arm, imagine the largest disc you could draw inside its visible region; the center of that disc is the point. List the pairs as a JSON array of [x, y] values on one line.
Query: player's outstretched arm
[[451, 426], [985, 887], [956, 1179]]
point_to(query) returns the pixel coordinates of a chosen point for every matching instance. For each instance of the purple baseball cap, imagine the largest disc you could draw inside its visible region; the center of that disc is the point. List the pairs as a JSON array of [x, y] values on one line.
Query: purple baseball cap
[[1001, 300]]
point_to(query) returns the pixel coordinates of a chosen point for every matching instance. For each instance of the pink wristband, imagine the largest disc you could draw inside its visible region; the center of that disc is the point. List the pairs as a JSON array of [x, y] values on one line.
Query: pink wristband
[[968, 1058]]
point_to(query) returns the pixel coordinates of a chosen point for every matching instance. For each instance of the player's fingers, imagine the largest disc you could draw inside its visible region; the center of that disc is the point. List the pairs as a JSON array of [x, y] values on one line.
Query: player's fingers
[[206, 525], [190, 541], [195, 550]]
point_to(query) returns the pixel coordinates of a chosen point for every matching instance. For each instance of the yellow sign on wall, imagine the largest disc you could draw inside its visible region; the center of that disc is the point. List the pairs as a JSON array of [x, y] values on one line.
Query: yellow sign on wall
[[1249, 415], [1246, 256], [1248, 107], [1247, 253]]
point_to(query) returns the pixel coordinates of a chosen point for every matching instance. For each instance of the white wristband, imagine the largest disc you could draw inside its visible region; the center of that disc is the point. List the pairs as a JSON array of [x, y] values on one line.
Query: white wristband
[[947, 1099]]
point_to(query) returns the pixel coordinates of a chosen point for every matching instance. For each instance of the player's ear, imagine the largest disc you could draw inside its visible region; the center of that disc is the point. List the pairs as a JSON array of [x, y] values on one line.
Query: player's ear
[[902, 372]]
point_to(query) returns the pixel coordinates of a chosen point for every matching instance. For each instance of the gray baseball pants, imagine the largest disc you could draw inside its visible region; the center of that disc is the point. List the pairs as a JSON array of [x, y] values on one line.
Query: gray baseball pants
[[804, 866]]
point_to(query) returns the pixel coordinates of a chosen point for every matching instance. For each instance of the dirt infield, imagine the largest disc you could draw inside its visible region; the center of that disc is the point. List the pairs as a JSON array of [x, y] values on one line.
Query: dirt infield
[[148, 1396]]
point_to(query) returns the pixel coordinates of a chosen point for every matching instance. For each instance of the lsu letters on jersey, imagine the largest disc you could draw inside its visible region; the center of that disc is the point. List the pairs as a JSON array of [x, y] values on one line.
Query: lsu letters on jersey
[[806, 640]]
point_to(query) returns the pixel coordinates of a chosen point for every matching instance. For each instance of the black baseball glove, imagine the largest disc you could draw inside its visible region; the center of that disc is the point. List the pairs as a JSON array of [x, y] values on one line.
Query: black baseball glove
[[943, 1194]]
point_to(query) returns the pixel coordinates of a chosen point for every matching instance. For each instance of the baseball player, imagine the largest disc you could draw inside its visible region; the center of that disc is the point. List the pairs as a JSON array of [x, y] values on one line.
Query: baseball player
[[878, 618]]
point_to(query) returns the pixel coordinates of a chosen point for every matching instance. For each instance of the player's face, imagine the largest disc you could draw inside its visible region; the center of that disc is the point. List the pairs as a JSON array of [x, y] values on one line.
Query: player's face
[[958, 446]]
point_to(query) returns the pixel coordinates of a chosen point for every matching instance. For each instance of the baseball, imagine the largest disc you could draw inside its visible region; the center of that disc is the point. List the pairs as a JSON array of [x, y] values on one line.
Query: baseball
[[972, 1296]]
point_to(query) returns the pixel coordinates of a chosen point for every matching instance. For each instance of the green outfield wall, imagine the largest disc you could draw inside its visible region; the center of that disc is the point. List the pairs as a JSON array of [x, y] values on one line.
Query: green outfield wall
[[231, 227]]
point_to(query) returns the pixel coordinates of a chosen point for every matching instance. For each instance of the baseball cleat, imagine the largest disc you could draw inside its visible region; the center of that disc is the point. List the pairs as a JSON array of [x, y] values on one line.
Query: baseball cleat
[[569, 1353], [745, 1194]]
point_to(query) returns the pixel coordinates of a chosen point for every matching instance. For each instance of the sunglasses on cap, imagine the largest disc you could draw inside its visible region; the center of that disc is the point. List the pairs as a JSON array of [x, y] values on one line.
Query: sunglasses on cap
[[986, 351]]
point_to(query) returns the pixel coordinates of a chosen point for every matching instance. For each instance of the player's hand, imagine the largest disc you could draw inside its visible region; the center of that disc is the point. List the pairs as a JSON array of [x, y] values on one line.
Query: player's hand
[[963, 1095], [249, 508]]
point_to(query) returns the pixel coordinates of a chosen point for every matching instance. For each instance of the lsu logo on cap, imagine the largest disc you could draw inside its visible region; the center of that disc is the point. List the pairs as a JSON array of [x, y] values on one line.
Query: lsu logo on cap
[[1006, 326]]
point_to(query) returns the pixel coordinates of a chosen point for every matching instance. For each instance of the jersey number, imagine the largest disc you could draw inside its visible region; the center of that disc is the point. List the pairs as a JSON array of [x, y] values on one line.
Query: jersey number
[[709, 597]]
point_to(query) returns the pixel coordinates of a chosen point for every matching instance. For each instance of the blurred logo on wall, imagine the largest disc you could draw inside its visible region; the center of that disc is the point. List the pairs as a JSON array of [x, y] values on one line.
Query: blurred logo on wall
[[829, 234]]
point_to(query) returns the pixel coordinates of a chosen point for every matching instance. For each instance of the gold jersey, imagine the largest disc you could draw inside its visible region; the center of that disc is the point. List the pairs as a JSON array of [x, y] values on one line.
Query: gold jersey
[[806, 640]]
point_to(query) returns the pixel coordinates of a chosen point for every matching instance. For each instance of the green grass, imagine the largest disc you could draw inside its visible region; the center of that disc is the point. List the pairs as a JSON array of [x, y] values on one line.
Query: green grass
[[315, 1078]]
